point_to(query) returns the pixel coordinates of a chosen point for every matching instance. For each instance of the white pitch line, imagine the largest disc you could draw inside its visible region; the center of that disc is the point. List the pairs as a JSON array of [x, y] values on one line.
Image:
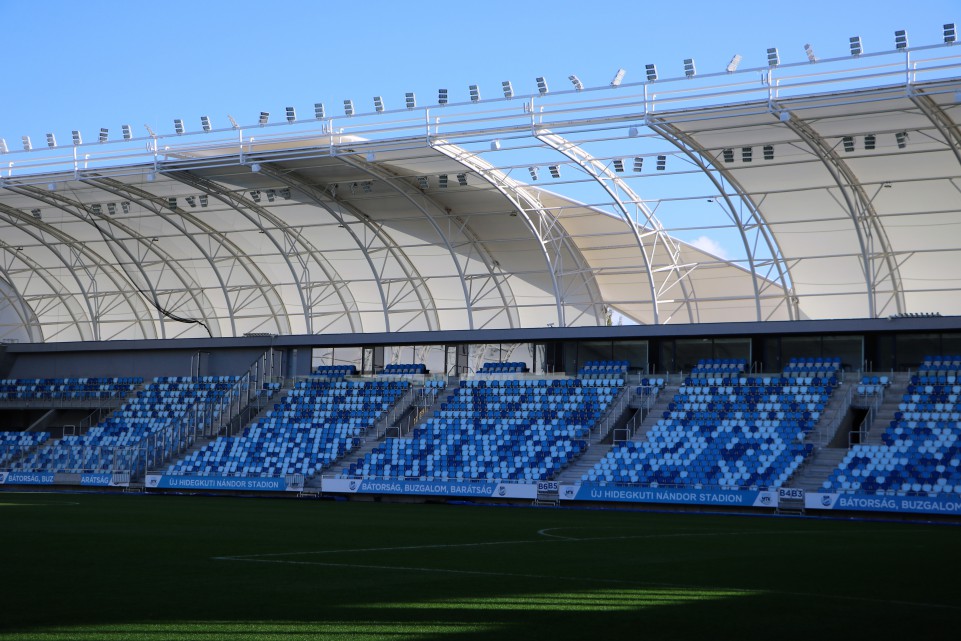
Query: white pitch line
[[545, 531], [551, 539], [440, 571], [549, 577], [261, 558]]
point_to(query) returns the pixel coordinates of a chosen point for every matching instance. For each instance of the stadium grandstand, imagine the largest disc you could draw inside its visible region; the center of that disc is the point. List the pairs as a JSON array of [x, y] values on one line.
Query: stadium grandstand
[[507, 297]]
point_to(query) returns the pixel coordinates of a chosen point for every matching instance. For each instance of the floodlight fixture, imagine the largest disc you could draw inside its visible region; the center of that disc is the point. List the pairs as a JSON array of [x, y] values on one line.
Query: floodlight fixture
[[178, 126], [768, 152], [508, 89], [319, 111], [348, 107], [51, 140], [27, 145], [3, 146], [689, 69], [900, 39], [284, 193], [533, 172], [773, 59], [291, 114], [618, 165], [495, 145], [264, 117], [126, 131], [950, 33], [638, 164], [902, 139], [651, 72], [474, 93], [192, 201], [848, 143], [735, 61], [441, 96], [661, 163], [104, 134], [96, 209], [424, 182], [255, 194], [555, 171], [410, 100], [541, 85], [76, 137], [172, 202], [125, 206], [36, 212], [462, 180], [747, 154], [272, 195], [578, 85], [203, 200], [870, 142], [112, 209], [855, 43], [728, 155], [233, 122], [618, 78], [378, 104], [809, 50], [366, 185], [205, 123], [442, 181]]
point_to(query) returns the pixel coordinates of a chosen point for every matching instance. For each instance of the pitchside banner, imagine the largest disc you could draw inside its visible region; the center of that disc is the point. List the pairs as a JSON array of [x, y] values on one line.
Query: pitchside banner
[[228, 483], [872, 503], [96, 479], [26, 478], [480, 489], [623, 494]]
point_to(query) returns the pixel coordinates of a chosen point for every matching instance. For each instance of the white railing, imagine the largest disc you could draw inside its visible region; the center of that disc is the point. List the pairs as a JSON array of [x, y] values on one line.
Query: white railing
[[648, 400], [465, 122]]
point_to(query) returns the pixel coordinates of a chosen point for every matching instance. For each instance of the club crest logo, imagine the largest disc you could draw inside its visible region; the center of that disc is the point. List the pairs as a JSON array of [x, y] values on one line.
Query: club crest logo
[[352, 486], [826, 501]]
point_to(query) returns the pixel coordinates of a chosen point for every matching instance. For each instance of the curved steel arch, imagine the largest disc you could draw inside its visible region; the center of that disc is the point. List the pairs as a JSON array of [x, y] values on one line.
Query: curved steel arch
[[101, 264], [260, 281], [700, 156], [866, 222], [408, 193], [602, 175], [332, 205], [33, 324], [14, 300], [72, 207], [939, 118], [243, 206], [505, 185]]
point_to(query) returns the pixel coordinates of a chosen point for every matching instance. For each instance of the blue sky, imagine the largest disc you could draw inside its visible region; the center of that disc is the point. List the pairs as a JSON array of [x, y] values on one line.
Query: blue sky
[[100, 63]]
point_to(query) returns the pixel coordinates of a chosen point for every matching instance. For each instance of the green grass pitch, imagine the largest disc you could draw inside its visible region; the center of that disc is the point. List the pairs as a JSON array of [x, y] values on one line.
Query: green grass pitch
[[86, 566]]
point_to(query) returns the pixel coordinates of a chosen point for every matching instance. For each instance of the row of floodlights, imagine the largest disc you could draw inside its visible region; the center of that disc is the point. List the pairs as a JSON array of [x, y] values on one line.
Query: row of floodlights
[[847, 142], [871, 141], [507, 88]]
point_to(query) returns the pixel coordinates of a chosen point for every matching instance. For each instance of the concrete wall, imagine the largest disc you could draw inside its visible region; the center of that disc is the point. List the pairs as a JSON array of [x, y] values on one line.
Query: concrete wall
[[146, 364]]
